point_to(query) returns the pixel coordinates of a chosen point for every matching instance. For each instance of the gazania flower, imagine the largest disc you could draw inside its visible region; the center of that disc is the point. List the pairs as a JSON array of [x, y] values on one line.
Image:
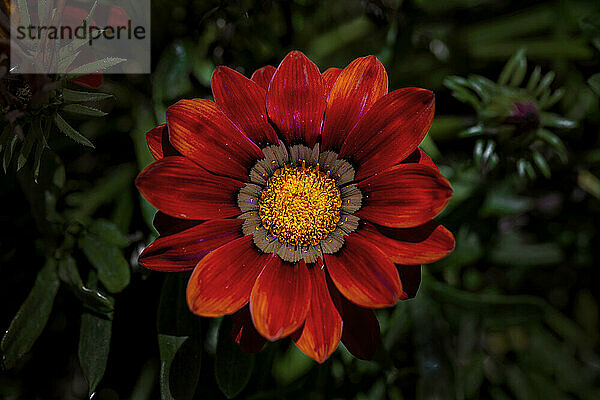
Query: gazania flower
[[299, 199]]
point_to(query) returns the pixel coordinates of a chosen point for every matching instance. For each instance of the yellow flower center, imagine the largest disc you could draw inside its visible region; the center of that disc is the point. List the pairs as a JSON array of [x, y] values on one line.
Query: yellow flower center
[[300, 205]]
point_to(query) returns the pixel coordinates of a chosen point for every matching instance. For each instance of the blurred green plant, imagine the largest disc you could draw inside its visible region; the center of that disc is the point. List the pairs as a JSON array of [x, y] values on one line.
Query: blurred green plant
[[513, 121]]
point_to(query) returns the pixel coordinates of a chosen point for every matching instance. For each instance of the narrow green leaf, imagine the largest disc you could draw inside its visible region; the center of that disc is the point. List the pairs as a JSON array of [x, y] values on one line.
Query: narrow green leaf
[[589, 182], [65, 62], [478, 151], [179, 341], [511, 66], [30, 140], [519, 73], [108, 232], [113, 269], [556, 121], [534, 79], [97, 66], [71, 132], [233, 367], [42, 9], [8, 153], [541, 163], [32, 317], [39, 151], [594, 82], [68, 273], [23, 10], [545, 83], [83, 110], [94, 344], [553, 141], [75, 96], [555, 98], [497, 308]]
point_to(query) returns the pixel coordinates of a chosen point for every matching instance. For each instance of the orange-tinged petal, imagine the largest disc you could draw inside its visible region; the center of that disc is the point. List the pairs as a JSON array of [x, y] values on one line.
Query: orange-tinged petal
[[158, 142], [263, 76], [280, 298], [180, 188], [359, 86], [404, 196], [423, 244], [201, 132], [222, 281], [183, 250], [329, 77], [363, 274], [323, 326], [390, 131], [296, 99], [243, 102]]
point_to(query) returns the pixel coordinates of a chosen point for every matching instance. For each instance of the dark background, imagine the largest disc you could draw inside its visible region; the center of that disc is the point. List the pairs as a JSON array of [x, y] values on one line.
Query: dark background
[[512, 314]]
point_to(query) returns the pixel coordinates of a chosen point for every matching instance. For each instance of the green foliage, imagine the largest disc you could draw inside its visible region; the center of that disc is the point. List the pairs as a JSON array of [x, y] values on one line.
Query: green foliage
[[233, 367], [30, 320]]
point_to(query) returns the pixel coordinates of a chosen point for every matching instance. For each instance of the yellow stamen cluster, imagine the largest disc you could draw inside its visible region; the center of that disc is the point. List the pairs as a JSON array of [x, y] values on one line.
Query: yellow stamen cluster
[[300, 205]]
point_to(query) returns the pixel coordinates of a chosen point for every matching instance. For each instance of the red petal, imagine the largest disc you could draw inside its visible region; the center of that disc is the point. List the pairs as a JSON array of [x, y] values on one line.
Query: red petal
[[421, 245], [158, 142], [280, 299], [181, 189], [410, 275], [223, 280], [263, 76], [404, 196], [167, 225], [93, 81], [363, 274], [296, 99], [243, 102], [183, 250], [202, 133], [244, 333], [361, 328], [420, 157], [323, 326], [329, 77], [358, 87], [391, 129]]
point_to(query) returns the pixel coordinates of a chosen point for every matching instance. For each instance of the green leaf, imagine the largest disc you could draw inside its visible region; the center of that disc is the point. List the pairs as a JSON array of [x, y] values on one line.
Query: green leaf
[[555, 98], [179, 341], [534, 79], [113, 269], [68, 273], [541, 163], [497, 309], [30, 140], [94, 344], [32, 317], [511, 67], [544, 83], [553, 141], [71, 132], [39, 152], [108, 232], [594, 82], [96, 66], [170, 80], [42, 9], [75, 96], [8, 153], [83, 110], [23, 10], [233, 367], [519, 73]]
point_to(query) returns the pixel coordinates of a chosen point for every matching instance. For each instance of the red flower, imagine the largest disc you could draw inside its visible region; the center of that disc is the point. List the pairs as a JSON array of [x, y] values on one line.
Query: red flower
[[299, 199]]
